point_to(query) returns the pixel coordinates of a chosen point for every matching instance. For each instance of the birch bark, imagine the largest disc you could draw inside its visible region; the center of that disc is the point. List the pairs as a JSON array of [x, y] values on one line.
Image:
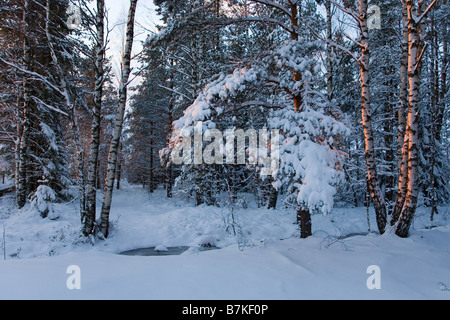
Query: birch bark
[[91, 193], [118, 124], [372, 174], [412, 128], [402, 138]]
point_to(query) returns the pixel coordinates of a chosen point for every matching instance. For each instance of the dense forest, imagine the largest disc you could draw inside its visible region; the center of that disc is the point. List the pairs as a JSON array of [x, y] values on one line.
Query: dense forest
[[306, 104]]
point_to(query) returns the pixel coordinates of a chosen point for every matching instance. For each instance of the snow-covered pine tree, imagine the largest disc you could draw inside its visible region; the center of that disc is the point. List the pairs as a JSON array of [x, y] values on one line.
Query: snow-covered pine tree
[[40, 138], [309, 157]]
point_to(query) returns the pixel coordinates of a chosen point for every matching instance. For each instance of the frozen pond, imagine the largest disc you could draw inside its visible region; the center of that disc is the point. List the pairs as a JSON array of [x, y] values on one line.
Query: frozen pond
[[157, 251]]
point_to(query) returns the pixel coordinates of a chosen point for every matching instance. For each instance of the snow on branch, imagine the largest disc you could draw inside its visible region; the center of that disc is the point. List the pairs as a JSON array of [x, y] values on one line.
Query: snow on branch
[[275, 5], [221, 89]]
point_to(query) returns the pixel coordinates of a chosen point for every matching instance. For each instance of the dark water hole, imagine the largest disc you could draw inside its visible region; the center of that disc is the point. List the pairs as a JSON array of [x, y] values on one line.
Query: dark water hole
[[171, 251]]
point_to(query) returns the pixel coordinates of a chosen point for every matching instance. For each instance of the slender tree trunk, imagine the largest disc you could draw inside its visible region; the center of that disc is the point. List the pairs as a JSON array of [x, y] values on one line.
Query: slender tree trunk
[[329, 61], [297, 96], [170, 121], [443, 81], [434, 103], [152, 160], [17, 142], [119, 168], [402, 138], [169, 181], [412, 129], [118, 125], [389, 143], [91, 193], [80, 161], [25, 113], [372, 174]]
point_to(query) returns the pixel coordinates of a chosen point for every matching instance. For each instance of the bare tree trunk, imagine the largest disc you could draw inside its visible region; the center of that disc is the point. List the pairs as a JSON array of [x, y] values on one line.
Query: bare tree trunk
[[329, 51], [118, 125], [389, 143], [295, 11], [414, 68], [443, 80], [17, 142], [169, 181], [434, 103], [119, 168], [25, 113], [152, 160], [80, 160], [170, 175], [372, 174], [402, 138], [91, 193]]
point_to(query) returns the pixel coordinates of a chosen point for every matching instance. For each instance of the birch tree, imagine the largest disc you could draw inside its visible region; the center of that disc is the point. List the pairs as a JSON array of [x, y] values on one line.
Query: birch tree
[[91, 194], [415, 17], [402, 138], [118, 123], [360, 16]]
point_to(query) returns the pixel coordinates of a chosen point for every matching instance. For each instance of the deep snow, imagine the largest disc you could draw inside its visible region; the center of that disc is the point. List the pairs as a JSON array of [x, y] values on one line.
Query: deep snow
[[265, 260]]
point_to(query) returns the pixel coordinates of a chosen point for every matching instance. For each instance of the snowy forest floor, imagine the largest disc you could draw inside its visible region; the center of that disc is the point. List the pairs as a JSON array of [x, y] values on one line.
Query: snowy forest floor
[[265, 260]]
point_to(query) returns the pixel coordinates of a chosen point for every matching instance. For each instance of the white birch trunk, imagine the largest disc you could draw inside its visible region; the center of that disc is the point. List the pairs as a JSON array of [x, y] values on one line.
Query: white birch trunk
[[372, 174], [412, 129], [118, 124], [91, 193], [402, 138]]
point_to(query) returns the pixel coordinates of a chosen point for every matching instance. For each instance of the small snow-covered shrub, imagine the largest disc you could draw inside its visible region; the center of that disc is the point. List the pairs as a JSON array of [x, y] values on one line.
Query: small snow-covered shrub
[[42, 201]]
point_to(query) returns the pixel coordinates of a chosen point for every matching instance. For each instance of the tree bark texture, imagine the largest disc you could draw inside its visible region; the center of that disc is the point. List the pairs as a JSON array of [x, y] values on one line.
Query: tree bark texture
[[372, 174], [412, 128], [91, 193], [118, 124], [25, 113]]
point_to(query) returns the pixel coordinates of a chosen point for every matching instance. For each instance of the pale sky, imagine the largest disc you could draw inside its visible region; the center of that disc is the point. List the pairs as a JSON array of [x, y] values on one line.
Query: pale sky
[[146, 19]]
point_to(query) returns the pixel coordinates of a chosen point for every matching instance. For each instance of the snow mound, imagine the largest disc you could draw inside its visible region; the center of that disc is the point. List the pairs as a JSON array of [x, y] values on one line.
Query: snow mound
[[206, 241], [161, 248]]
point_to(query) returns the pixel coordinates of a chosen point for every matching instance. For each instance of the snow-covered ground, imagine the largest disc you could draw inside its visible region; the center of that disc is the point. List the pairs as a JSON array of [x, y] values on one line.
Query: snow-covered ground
[[265, 260]]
